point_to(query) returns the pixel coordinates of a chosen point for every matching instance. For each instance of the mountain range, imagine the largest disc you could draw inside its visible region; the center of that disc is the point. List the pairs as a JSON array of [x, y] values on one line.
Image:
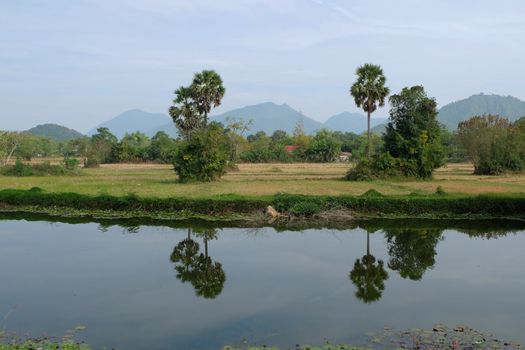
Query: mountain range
[[266, 117], [269, 117]]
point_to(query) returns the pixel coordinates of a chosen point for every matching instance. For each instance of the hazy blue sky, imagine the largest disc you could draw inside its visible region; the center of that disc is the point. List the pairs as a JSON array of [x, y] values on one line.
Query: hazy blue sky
[[80, 62]]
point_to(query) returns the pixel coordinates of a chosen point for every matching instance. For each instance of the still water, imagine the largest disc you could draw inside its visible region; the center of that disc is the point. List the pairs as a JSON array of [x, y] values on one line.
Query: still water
[[158, 287]]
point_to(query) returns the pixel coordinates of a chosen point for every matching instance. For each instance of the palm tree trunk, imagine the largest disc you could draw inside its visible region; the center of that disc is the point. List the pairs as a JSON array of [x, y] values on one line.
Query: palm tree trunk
[[189, 233], [368, 142]]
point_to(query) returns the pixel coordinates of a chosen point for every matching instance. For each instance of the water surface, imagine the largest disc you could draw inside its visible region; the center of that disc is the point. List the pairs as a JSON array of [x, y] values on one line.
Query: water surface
[[139, 287]]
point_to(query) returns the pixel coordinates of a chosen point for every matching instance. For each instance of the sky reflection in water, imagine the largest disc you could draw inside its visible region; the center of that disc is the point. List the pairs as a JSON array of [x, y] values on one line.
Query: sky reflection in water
[[201, 288]]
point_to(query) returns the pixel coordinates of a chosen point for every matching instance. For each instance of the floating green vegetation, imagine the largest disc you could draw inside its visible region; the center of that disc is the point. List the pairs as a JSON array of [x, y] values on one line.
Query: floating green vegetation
[[44, 345], [440, 337], [10, 341]]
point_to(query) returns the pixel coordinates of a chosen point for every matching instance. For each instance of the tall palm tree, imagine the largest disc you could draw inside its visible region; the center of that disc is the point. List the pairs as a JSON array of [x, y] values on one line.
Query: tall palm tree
[[369, 91], [208, 91]]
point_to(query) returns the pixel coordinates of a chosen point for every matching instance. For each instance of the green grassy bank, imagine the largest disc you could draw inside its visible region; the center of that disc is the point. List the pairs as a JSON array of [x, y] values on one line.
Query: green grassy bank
[[249, 208]]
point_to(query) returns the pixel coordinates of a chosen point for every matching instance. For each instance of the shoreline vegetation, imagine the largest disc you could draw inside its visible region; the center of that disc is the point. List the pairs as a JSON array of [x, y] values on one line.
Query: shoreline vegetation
[[255, 209]]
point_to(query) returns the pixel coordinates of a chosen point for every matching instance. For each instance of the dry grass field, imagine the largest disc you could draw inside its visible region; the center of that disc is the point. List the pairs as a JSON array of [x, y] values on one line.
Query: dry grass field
[[261, 179]]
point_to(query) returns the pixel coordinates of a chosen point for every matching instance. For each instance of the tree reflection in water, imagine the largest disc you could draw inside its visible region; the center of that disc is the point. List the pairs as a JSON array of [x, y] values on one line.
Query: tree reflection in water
[[412, 251], [205, 275], [368, 276]]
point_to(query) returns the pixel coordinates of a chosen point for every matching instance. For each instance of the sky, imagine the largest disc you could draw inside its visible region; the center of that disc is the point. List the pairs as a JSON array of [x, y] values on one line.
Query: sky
[[81, 62]]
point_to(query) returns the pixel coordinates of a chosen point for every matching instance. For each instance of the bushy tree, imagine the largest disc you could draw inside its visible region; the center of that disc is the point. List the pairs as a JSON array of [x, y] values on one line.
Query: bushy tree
[[324, 147], [350, 142], [259, 148], [101, 148], [204, 157], [413, 133], [493, 144], [133, 147], [162, 148]]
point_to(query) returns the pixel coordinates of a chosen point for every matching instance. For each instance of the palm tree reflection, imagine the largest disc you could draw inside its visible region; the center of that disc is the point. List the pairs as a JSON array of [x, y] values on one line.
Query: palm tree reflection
[[205, 275], [368, 276]]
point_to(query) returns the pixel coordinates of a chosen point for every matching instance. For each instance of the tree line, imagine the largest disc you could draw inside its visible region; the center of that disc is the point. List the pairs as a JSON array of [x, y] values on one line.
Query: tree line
[[413, 145]]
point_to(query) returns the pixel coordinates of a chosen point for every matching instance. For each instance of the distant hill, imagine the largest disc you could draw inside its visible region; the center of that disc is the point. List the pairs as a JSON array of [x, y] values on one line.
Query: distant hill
[[379, 128], [133, 120], [55, 132], [269, 117], [351, 122], [266, 117], [506, 106]]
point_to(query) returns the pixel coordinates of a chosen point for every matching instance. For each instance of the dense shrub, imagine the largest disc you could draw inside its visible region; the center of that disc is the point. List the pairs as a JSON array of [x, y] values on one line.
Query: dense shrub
[[493, 144], [323, 147], [71, 163], [205, 156], [305, 209], [43, 169]]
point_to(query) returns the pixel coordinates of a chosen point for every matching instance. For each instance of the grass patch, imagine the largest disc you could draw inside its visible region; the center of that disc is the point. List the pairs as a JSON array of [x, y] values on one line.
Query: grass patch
[[154, 180]]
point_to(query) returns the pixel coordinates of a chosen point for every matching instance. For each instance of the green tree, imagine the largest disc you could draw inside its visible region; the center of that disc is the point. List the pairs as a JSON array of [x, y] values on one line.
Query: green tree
[[281, 137], [259, 148], [323, 147], [163, 148], [493, 144], [350, 142], [133, 147], [413, 133], [101, 148], [369, 91], [205, 156]]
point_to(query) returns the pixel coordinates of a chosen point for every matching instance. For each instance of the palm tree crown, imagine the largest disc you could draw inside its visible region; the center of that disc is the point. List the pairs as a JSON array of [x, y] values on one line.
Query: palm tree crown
[[208, 91], [369, 91]]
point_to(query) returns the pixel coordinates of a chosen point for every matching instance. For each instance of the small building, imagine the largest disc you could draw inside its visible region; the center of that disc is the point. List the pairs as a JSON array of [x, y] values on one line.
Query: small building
[[290, 148]]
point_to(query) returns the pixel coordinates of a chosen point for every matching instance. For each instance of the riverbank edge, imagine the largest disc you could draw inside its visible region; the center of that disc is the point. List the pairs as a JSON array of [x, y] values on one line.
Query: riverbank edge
[[253, 210]]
